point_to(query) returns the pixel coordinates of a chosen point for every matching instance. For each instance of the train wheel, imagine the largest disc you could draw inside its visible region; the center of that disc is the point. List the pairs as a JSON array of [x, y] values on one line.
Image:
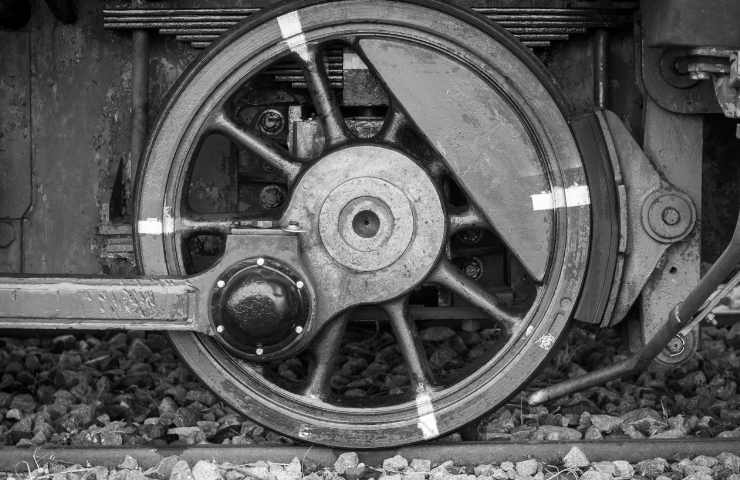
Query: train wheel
[[474, 170]]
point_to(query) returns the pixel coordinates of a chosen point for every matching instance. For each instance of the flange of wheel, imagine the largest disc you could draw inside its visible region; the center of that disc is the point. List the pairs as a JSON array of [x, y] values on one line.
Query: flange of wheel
[[490, 114]]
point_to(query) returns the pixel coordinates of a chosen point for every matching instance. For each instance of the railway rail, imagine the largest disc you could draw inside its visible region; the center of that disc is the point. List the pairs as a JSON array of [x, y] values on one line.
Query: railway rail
[[462, 453], [431, 169]]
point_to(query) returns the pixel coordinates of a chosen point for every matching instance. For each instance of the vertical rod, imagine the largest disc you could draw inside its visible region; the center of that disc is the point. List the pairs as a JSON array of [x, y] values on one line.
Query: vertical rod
[[601, 67], [140, 95]]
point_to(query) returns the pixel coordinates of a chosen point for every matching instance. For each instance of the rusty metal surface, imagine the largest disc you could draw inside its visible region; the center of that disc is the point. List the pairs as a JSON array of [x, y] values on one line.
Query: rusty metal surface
[[15, 134], [100, 303], [69, 111], [80, 79], [674, 143], [642, 252], [534, 26], [691, 23], [11, 243], [97, 303]]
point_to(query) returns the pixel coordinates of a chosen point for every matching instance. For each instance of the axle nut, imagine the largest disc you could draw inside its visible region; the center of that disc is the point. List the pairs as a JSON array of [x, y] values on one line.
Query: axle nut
[[271, 122], [272, 196], [260, 307]]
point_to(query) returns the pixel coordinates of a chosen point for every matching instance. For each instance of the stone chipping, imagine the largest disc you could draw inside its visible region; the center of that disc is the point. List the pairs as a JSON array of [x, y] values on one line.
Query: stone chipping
[[131, 389]]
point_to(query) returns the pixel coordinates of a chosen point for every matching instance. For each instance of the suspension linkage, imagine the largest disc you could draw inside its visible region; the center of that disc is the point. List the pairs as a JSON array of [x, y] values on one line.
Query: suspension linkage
[[680, 316]]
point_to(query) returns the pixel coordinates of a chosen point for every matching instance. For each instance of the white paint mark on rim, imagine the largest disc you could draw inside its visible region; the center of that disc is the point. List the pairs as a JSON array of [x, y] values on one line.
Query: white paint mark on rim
[[427, 420], [149, 226], [292, 32], [168, 221], [573, 196]]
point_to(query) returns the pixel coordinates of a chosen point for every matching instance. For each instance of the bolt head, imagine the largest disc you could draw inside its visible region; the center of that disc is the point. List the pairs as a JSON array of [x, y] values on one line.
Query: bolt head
[[271, 196], [699, 75], [260, 261], [299, 284], [299, 329], [271, 122], [220, 284], [220, 329], [473, 269], [676, 345], [259, 351], [671, 216], [292, 226]]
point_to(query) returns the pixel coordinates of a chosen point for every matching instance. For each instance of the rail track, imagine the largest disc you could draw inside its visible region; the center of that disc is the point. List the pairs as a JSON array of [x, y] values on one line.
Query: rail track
[[374, 207], [637, 459], [462, 453]]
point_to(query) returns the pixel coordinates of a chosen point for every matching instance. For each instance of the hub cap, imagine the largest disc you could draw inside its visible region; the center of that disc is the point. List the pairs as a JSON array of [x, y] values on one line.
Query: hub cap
[[375, 224]]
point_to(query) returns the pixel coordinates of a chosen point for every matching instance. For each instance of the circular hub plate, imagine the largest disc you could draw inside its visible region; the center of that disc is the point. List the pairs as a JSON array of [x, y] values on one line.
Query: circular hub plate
[[374, 224], [366, 224], [259, 307]]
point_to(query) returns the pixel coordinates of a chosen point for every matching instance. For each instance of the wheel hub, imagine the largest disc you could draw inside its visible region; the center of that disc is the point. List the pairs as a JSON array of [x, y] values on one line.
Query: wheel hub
[[379, 214], [260, 308], [366, 224]]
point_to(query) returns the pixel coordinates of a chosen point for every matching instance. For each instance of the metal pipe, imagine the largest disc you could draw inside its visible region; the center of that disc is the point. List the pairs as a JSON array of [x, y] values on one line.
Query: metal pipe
[[679, 317], [601, 65], [139, 95]]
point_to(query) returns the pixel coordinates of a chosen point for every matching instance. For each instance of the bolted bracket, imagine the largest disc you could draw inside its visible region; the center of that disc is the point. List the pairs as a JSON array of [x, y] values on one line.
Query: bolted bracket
[[668, 215]]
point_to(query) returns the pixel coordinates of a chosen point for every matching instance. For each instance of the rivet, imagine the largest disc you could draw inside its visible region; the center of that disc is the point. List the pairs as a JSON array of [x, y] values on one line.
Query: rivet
[[220, 284], [260, 351], [220, 329], [260, 261], [299, 329], [299, 284]]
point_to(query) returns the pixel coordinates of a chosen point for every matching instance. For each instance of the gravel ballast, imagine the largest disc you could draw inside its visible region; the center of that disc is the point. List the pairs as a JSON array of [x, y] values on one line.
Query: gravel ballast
[[724, 466], [131, 389]]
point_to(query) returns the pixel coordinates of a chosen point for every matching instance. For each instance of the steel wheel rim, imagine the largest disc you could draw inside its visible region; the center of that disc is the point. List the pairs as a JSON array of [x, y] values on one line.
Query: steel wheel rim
[[394, 421]]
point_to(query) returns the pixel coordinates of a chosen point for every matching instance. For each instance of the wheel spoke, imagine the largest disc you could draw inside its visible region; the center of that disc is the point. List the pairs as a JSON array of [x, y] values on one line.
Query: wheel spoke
[[469, 218], [257, 145], [448, 275], [325, 349], [409, 342], [326, 107], [394, 123]]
